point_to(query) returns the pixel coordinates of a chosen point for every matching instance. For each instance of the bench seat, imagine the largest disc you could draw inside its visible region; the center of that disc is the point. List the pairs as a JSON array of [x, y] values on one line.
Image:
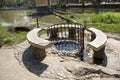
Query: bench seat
[[99, 41], [36, 41]]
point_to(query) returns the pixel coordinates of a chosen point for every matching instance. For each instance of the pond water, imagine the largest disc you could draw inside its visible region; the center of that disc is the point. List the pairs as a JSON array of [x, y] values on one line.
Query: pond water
[[19, 17], [15, 17]]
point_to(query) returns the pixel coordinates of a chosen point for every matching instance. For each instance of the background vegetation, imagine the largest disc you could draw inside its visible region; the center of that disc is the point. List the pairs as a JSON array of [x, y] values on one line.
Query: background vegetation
[[10, 38], [16, 3], [105, 21], [62, 3]]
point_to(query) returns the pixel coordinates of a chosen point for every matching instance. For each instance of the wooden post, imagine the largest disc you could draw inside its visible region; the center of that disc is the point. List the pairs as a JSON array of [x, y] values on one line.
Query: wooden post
[[37, 22]]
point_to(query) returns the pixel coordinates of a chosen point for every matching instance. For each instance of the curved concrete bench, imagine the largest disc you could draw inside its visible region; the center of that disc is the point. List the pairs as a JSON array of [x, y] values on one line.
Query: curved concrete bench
[[98, 43], [38, 44]]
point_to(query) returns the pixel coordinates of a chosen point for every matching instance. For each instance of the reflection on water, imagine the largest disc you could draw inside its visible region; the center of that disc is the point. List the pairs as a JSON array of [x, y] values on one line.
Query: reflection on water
[[15, 18], [5, 23]]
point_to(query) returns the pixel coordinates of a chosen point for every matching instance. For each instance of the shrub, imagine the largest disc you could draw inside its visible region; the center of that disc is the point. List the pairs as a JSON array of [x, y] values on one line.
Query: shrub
[[109, 18]]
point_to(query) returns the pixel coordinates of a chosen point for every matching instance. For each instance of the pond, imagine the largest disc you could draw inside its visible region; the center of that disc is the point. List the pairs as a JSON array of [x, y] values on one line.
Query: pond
[[20, 18], [15, 17]]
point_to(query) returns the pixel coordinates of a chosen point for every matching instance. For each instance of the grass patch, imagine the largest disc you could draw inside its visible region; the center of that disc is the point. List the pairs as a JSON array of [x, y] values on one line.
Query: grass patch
[[107, 21], [108, 18], [10, 38], [50, 19], [111, 28]]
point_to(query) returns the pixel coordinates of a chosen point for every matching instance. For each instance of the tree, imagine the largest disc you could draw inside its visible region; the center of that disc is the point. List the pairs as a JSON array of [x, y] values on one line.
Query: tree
[[28, 3], [19, 3], [83, 3], [62, 3], [16, 3], [12, 3], [1, 3], [96, 2]]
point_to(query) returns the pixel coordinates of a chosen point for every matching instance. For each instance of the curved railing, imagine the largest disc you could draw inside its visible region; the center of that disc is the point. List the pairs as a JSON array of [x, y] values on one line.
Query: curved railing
[[67, 32]]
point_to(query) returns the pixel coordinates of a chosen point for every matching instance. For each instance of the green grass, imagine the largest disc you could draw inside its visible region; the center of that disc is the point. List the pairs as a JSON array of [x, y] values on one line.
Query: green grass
[[108, 18], [11, 38], [50, 19], [110, 28], [107, 21]]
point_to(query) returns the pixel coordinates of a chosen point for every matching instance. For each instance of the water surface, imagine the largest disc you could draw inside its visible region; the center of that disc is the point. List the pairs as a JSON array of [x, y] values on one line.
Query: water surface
[[67, 46], [15, 17]]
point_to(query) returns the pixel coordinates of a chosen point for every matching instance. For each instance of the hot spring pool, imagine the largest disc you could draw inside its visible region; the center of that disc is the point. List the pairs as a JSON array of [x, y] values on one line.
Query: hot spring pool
[[67, 46]]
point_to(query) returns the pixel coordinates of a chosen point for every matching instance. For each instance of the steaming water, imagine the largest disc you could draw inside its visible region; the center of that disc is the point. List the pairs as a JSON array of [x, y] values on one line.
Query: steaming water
[[15, 17]]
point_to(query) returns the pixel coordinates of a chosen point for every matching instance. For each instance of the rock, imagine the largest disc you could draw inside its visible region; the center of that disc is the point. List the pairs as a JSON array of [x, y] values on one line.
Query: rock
[[112, 52], [114, 36]]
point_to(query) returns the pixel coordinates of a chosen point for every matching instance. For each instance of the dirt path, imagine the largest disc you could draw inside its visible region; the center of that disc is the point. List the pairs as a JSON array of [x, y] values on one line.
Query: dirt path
[[10, 68]]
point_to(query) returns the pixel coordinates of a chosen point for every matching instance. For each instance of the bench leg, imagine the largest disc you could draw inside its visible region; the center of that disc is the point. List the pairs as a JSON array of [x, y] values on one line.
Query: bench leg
[[38, 53], [99, 54]]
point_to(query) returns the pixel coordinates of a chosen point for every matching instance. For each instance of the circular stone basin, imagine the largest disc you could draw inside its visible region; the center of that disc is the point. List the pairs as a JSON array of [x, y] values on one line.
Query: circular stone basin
[[67, 46]]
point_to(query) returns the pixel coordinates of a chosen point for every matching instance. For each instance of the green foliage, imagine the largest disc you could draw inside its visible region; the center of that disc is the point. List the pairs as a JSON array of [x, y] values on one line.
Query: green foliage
[[107, 22], [112, 28], [2, 35], [106, 17], [109, 18], [11, 38], [8, 42], [50, 19], [16, 3], [19, 37], [1, 41], [96, 2], [66, 18]]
